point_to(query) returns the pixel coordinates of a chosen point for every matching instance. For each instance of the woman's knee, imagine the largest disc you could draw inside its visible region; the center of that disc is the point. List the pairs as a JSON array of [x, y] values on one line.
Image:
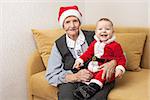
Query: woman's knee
[[65, 91]]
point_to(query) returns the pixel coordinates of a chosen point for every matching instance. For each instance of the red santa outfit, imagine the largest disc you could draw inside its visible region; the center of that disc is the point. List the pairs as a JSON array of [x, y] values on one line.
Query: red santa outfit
[[109, 50]]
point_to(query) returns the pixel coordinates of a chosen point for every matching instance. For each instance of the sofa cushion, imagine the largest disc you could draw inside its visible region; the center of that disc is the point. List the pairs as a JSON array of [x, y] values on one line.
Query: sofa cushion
[[133, 86], [44, 41], [132, 44], [41, 88]]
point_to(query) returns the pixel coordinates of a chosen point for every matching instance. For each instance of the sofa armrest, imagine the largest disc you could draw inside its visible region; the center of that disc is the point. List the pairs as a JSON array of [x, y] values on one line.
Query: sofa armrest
[[35, 64]]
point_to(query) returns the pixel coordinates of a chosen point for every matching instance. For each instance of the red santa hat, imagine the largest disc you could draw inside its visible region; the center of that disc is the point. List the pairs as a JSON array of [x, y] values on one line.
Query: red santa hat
[[64, 12]]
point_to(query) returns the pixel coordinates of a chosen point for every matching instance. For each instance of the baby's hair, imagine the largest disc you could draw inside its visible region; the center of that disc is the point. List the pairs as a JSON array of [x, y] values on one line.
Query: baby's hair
[[106, 19]]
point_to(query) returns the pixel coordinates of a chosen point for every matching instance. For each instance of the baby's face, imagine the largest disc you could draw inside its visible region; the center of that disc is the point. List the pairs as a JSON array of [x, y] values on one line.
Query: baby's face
[[104, 30]]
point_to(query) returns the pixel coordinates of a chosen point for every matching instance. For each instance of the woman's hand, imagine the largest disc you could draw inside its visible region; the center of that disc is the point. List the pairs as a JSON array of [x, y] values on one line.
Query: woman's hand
[[83, 75], [109, 69]]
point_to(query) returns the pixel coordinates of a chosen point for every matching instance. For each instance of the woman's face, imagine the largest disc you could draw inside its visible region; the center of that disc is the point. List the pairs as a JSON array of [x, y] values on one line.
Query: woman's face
[[71, 26]]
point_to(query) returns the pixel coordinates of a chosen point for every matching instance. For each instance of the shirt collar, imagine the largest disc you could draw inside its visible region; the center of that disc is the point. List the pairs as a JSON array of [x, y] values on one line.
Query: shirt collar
[[80, 40]]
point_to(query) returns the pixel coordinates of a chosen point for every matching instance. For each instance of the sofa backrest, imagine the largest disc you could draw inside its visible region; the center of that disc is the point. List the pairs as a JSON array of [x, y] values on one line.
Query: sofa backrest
[[45, 39]]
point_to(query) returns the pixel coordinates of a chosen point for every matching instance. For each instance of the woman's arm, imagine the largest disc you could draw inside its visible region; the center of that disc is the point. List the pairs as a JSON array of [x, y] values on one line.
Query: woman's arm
[[55, 74], [109, 69], [82, 75]]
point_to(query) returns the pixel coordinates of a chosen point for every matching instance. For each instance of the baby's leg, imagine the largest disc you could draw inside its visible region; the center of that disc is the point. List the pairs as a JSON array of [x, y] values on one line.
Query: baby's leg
[[87, 91], [98, 76]]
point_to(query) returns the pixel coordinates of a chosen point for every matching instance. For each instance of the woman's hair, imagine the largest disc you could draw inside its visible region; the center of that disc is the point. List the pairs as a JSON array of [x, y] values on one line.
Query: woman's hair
[[106, 19]]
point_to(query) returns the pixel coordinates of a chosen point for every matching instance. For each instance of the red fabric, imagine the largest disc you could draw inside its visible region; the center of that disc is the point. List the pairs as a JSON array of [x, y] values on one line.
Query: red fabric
[[89, 52], [98, 76], [62, 9], [112, 51]]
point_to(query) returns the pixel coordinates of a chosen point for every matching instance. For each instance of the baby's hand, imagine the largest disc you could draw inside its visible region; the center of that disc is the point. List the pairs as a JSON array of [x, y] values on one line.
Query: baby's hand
[[77, 65], [119, 73]]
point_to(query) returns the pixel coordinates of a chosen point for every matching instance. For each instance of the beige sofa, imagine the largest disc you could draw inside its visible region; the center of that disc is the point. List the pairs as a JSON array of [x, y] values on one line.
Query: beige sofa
[[133, 86]]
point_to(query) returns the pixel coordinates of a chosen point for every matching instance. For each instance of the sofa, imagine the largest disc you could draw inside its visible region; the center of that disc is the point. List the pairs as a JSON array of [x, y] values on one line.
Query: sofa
[[134, 85]]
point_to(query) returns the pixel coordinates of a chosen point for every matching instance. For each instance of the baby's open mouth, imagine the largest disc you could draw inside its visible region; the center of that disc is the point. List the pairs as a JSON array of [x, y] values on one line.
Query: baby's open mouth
[[104, 35]]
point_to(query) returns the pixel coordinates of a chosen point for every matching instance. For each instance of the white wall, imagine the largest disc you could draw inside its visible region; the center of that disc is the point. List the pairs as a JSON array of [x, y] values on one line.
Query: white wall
[[148, 13], [124, 13], [18, 17]]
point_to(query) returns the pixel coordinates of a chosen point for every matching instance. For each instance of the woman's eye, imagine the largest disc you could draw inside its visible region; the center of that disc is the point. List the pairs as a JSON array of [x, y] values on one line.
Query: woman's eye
[[75, 21], [67, 21]]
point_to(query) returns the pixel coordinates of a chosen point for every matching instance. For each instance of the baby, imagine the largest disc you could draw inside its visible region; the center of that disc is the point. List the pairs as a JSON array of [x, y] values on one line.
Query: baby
[[103, 49]]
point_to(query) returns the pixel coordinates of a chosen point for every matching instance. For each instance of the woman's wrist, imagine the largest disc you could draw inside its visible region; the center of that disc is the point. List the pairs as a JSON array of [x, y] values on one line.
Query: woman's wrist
[[112, 63], [76, 78], [71, 77]]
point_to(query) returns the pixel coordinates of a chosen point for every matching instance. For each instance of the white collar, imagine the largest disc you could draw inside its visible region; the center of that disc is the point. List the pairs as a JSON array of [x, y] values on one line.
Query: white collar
[[108, 41], [80, 40]]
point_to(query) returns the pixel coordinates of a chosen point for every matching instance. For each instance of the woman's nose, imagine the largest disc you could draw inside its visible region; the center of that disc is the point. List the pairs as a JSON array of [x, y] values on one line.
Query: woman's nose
[[72, 24]]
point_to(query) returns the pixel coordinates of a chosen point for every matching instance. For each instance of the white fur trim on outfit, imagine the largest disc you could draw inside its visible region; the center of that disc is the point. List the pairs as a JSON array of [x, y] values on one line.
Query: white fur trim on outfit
[[97, 82], [99, 49], [71, 12], [96, 38], [120, 67], [99, 46], [108, 41]]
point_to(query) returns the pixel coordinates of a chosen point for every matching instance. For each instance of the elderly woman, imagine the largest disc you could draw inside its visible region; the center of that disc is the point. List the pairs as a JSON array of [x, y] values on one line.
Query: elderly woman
[[65, 50]]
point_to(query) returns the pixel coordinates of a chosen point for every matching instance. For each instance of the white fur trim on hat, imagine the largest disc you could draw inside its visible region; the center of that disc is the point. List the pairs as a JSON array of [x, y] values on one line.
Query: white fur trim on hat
[[71, 12]]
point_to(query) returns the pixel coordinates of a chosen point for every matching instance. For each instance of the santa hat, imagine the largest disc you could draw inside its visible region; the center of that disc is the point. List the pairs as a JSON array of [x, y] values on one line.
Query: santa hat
[[64, 12]]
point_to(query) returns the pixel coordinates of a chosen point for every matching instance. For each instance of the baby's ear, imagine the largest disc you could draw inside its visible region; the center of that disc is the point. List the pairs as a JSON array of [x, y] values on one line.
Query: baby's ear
[[113, 31]]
